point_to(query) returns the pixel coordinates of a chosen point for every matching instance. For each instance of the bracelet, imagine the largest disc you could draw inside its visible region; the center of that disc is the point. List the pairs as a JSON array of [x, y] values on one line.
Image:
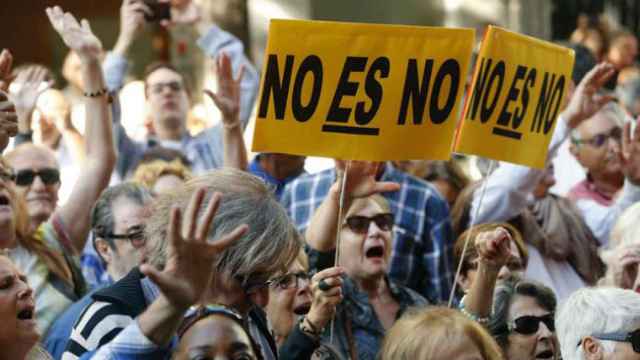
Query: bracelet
[[309, 328], [474, 317], [97, 93]]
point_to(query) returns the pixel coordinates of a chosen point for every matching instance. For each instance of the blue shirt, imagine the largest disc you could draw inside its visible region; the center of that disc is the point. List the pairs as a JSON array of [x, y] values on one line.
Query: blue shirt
[[422, 251], [277, 185]]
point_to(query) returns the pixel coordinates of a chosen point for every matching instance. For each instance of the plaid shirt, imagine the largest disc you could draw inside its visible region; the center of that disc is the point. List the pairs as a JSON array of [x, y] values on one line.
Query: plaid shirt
[[422, 254]]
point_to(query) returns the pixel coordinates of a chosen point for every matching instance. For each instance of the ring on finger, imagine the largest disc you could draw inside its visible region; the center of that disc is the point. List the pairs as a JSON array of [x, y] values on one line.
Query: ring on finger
[[323, 285]]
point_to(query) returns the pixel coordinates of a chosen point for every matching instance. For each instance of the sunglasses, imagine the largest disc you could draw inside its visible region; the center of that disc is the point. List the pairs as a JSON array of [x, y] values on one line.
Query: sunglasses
[[360, 224], [529, 325], [600, 139], [630, 337], [49, 176], [288, 281]]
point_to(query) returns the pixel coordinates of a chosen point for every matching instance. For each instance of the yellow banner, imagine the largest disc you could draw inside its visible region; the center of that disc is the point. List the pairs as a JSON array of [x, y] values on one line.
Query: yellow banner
[[361, 91], [518, 90]]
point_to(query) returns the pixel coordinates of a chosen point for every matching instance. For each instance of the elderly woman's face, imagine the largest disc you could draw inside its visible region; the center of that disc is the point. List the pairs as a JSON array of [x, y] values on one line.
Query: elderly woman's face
[[17, 307], [289, 297], [215, 337], [538, 344], [366, 240]]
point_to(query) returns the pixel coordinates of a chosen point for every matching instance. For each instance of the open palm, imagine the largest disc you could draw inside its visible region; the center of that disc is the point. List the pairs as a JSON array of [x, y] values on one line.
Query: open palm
[[77, 36]]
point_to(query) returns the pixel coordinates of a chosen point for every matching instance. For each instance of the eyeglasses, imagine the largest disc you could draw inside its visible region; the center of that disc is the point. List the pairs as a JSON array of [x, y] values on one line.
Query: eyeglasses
[[254, 282], [528, 325], [600, 139], [49, 176], [360, 224], [174, 86], [135, 236], [630, 337], [288, 281], [196, 313]]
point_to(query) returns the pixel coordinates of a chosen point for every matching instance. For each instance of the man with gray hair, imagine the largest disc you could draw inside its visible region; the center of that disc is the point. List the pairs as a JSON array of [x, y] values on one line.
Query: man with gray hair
[[117, 222], [611, 157], [600, 324]]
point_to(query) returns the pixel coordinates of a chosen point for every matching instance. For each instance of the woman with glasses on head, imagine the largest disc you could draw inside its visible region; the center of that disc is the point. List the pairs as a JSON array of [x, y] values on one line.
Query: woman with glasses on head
[[212, 332], [371, 301]]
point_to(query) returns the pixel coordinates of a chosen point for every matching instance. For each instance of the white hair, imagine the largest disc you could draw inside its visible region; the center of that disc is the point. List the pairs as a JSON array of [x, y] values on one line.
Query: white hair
[[592, 311], [611, 111], [626, 230]]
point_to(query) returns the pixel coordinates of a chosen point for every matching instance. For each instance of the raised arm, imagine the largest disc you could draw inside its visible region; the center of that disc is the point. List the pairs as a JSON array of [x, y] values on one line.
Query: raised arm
[[510, 186], [227, 99], [361, 183], [96, 171], [8, 117], [493, 251]]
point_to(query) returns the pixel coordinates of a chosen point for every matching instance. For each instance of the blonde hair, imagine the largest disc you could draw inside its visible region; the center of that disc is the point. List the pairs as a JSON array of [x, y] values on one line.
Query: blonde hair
[[443, 327], [54, 261], [147, 174]]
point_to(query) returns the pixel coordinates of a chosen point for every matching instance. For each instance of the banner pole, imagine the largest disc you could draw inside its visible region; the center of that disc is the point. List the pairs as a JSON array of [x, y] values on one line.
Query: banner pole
[[338, 227]]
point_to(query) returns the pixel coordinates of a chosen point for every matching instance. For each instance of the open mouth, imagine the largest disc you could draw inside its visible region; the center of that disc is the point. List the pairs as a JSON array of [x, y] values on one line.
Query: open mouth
[[26, 314], [4, 200], [547, 354], [375, 252], [302, 309]]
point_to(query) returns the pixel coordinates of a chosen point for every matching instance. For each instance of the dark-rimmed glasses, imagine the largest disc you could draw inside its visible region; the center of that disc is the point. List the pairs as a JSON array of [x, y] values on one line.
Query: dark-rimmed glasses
[[290, 280], [600, 139], [135, 236]]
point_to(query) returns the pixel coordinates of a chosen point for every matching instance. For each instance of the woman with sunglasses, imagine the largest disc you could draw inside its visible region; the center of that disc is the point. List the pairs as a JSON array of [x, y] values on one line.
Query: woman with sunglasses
[[371, 300], [50, 255], [522, 321], [212, 332], [600, 324]]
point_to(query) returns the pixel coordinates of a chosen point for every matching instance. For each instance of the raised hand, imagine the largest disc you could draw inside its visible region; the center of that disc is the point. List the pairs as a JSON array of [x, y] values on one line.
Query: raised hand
[[8, 121], [31, 83], [227, 99], [494, 247], [625, 265], [77, 36], [6, 62], [190, 257], [183, 12], [132, 22], [326, 297], [361, 179], [586, 101], [630, 154]]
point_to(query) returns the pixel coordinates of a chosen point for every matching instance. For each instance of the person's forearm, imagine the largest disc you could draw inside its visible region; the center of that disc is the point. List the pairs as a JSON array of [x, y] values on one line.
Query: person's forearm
[[321, 233], [160, 321], [235, 151], [480, 297], [98, 125], [24, 122]]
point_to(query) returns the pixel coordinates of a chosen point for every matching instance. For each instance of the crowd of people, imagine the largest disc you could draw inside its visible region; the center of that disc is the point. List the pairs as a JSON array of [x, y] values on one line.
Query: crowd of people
[[180, 246]]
